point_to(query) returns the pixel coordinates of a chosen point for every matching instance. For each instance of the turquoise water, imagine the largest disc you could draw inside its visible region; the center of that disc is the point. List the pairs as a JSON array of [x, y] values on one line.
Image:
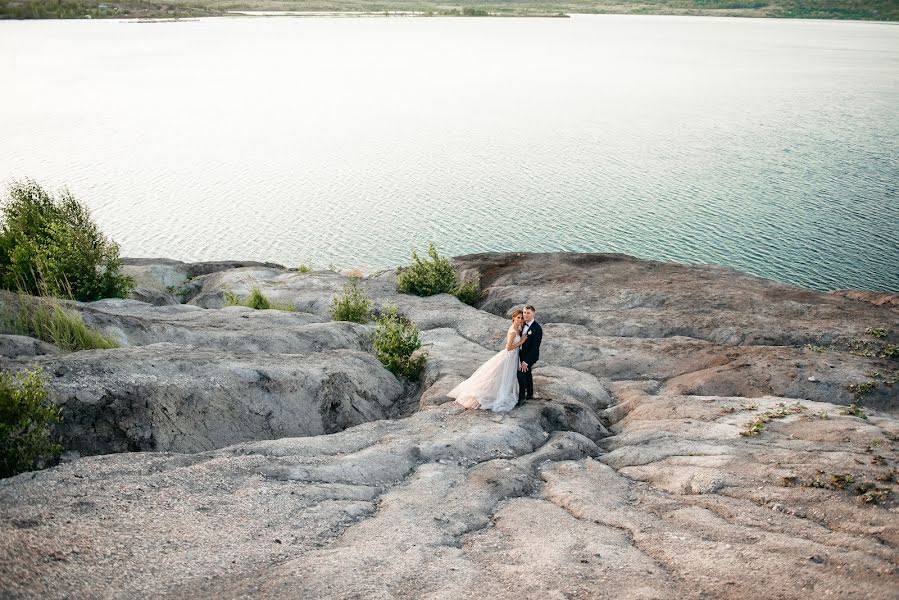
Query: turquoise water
[[766, 145]]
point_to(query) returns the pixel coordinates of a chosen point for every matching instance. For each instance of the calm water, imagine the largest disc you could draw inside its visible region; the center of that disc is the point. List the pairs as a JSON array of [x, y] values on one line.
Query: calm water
[[769, 146]]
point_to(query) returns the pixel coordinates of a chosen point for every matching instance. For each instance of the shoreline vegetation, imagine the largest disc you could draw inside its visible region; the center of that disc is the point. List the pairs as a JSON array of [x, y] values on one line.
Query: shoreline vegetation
[[869, 10]]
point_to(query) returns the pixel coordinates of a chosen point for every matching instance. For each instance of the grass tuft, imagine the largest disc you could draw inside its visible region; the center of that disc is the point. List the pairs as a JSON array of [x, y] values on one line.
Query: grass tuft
[[257, 301], [46, 319]]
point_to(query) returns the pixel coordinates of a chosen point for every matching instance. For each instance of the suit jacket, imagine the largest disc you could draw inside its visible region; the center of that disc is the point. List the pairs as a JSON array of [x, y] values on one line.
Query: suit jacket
[[529, 351]]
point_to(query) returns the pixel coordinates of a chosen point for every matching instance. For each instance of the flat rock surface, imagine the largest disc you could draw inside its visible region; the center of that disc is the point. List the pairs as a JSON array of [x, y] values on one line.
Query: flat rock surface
[[692, 438]]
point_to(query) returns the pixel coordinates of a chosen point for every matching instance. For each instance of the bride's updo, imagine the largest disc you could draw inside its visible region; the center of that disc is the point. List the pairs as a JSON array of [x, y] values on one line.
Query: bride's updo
[[515, 314]]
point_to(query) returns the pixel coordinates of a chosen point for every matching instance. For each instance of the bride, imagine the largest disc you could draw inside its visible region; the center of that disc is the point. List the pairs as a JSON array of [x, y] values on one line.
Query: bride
[[494, 386]]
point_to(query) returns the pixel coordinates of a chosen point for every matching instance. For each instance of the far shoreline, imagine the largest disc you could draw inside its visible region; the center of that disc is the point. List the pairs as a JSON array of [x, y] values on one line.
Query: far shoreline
[[877, 11]]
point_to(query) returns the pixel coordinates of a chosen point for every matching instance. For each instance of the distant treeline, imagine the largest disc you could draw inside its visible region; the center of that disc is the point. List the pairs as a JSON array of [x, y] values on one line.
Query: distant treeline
[[81, 9], [882, 10]]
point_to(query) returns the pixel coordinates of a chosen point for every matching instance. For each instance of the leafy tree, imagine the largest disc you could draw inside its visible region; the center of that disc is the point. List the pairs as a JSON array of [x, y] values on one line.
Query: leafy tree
[[51, 246]]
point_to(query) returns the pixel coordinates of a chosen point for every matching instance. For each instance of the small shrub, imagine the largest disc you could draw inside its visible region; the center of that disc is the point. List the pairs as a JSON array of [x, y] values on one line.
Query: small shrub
[[351, 305], [427, 277], [257, 301], [395, 342], [25, 417], [860, 390], [841, 480], [890, 351], [878, 332], [854, 411], [45, 319], [754, 427], [780, 411], [469, 292], [304, 268], [52, 247]]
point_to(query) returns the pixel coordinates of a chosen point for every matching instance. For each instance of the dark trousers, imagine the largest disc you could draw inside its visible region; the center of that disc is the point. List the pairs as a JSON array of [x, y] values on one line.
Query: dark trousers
[[526, 383]]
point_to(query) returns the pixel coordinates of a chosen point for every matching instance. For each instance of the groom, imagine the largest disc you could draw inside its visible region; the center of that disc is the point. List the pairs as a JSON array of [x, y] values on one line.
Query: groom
[[528, 353]]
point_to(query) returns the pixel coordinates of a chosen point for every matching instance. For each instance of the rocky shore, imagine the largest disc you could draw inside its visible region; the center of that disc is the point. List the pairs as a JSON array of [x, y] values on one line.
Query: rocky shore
[[697, 434]]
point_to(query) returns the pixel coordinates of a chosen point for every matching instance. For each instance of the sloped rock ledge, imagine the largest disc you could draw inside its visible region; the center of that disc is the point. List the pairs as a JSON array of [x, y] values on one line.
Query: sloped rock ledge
[[627, 478]]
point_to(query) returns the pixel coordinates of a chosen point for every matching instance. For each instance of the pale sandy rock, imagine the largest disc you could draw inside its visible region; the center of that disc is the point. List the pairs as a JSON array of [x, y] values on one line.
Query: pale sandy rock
[[627, 477]]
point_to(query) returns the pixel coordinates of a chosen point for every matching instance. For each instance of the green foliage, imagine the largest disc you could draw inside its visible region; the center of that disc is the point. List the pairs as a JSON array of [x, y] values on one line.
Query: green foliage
[[79, 9], [756, 426], [860, 390], [731, 4], [469, 292], [841, 480], [47, 320], [427, 277], [470, 11], [304, 268], [878, 332], [436, 275], [395, 342], [257, 301], [52, 247], [351, 305], [25, 417], [872, 349], [870, 493], [854, 411]]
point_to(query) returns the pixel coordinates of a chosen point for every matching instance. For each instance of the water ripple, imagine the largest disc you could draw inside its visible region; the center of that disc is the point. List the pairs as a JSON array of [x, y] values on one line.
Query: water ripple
[[329, 141]]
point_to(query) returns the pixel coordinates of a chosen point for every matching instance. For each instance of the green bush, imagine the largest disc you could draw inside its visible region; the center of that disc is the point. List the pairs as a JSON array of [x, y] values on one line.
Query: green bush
[[436, 276], [427, 277], [52, 247], [469, 292], [395, 341], [47, 320], [257, 301], [351, 305], [25, 417]]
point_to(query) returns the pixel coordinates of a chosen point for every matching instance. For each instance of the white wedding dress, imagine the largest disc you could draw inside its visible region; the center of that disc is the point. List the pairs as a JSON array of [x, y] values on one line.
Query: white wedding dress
[[494, 386]]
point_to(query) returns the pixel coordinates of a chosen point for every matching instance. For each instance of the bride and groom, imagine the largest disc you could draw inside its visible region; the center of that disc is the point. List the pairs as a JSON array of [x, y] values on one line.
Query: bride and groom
[[507, 378]]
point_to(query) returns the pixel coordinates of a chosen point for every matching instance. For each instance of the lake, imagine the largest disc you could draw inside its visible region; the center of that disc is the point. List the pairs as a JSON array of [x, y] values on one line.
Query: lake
[[771, 146]]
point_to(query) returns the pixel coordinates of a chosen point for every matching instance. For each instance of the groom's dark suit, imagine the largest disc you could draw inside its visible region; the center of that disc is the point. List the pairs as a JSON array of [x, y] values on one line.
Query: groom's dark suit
[[529, 352]]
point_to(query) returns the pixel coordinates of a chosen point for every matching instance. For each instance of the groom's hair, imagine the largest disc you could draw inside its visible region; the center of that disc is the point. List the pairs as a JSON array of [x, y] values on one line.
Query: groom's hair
[[530, 307]]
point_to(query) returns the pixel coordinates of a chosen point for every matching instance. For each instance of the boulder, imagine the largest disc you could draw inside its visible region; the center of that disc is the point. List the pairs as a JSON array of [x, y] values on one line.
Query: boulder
[[166, 397]]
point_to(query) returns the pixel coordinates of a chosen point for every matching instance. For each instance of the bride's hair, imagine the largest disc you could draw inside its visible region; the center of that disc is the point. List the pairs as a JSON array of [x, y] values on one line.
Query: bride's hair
[[516, 312]]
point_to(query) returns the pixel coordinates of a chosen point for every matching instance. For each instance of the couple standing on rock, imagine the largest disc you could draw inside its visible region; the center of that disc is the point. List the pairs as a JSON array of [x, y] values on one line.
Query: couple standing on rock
[[506, 378]]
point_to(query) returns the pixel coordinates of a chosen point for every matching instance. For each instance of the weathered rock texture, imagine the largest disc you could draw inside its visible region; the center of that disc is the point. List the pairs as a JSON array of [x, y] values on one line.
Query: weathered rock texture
[[629, 477]]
